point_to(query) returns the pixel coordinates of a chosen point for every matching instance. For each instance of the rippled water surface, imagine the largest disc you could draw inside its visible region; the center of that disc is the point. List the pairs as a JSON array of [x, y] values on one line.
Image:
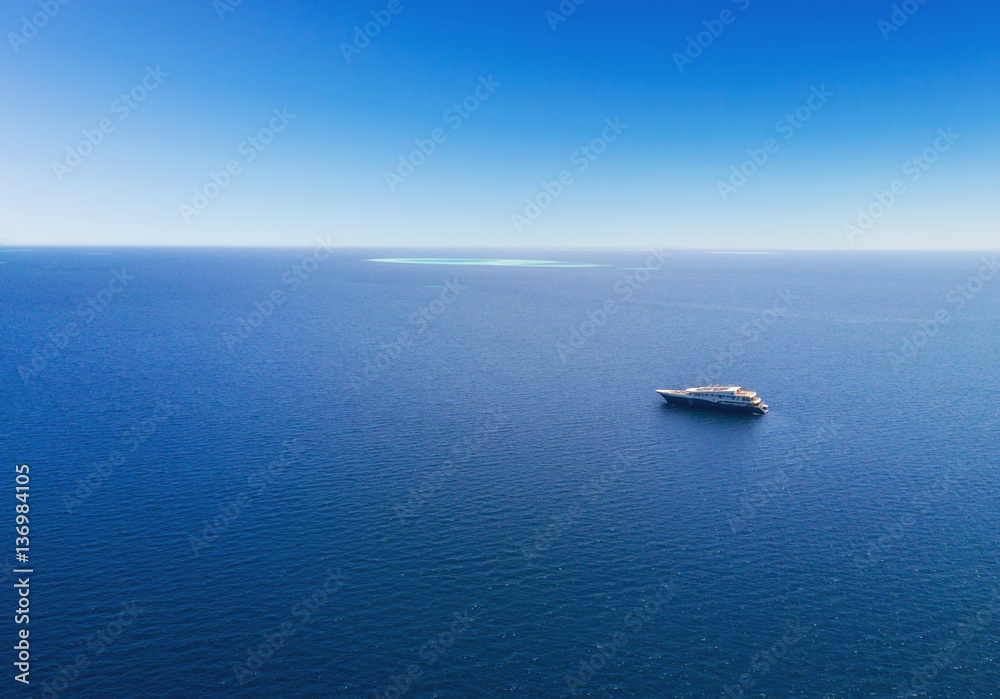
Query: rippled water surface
[[343, 477]]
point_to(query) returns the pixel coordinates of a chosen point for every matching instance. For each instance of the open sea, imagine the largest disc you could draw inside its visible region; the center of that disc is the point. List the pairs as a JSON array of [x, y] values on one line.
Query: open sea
[[304, 473]]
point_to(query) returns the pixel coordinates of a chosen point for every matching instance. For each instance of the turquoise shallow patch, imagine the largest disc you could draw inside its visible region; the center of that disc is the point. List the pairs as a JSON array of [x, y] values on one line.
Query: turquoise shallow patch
[[742, 252], [480, 262]]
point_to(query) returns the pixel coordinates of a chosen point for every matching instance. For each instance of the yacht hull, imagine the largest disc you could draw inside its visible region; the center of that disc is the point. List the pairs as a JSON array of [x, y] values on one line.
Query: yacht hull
[[711, 405]]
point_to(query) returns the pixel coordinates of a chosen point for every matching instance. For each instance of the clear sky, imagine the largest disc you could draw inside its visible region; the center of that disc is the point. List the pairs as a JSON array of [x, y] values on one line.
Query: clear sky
[[690, 88]]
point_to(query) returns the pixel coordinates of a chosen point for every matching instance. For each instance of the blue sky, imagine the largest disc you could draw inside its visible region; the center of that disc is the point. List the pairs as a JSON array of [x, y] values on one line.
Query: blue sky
[[548, 82]]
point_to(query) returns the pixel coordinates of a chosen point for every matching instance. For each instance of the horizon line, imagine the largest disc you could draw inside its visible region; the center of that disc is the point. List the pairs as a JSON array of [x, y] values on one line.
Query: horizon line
[[49, 246]]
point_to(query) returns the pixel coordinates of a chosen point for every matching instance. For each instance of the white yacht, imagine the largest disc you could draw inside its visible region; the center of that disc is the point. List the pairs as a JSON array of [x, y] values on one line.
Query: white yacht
[[718, 397]]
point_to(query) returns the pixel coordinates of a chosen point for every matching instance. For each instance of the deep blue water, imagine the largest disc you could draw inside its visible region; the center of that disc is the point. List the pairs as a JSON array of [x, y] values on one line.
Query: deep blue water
[[496, 500]]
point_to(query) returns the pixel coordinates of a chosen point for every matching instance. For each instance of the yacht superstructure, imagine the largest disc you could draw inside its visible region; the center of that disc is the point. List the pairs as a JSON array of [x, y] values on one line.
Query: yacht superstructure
[[719, 397]]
